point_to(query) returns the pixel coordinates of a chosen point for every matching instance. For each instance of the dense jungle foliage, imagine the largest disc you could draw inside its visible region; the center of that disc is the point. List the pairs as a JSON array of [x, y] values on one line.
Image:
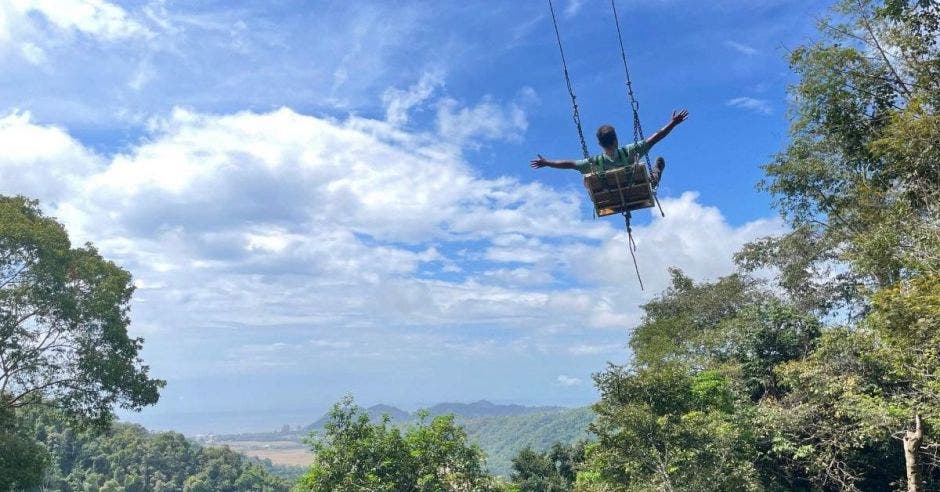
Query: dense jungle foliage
[[128, 458]]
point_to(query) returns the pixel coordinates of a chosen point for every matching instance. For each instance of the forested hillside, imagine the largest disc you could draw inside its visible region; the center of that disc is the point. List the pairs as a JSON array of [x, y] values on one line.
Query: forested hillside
[[484, 408], [502, 438], [128, 457]]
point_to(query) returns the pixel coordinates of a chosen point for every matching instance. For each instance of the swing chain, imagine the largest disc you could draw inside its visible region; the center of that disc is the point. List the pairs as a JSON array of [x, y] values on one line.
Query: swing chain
[[635, 105], [574, 104], [637, 128]]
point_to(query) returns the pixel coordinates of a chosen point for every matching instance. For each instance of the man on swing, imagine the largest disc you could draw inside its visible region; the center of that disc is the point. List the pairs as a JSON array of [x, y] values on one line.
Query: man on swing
[[616, 156]]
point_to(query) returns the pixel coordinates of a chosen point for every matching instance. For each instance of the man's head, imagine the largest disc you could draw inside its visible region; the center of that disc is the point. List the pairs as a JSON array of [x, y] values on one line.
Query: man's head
[[607, 137]]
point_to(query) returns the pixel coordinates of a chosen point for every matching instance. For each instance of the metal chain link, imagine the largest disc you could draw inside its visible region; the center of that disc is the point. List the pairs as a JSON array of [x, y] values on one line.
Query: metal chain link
[[634, 105], [574, 103]]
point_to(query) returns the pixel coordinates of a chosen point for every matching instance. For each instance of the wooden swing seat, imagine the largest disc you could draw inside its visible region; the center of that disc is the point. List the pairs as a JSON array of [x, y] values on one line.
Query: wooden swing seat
[[614, 192]]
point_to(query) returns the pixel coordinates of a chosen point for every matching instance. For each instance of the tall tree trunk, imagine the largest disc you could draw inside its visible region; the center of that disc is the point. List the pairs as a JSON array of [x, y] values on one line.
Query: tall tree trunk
[[912, 440]]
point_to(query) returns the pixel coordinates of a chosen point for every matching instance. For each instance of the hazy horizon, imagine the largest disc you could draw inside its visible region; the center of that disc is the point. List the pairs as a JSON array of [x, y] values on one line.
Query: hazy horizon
[[235, 421]]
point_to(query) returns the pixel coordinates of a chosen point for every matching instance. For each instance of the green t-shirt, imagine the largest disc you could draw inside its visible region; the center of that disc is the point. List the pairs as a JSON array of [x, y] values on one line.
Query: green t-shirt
[[624, 157]]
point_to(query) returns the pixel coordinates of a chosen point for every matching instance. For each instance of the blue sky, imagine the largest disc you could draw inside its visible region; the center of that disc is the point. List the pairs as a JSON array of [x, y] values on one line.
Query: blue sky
[[320, 198]]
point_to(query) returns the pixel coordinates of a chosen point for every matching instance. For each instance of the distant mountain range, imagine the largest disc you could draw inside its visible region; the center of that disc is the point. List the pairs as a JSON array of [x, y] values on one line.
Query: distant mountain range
[[484, 408], [476, 409]]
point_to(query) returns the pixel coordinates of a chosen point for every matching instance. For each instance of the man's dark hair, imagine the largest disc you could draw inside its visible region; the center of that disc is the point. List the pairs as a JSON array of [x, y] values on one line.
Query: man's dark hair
[[606, 136]]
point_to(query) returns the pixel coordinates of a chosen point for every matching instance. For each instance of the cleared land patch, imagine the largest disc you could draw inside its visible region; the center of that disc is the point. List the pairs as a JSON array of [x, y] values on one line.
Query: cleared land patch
[[279, 452]]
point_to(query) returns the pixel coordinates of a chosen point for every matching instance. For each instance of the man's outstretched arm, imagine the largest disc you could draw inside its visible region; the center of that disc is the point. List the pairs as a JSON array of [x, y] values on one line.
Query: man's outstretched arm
[[677, 117], [542, 162]]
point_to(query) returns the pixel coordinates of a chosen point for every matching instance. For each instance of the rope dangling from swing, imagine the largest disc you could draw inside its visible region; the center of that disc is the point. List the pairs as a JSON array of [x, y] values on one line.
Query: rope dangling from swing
[[634, 105], [637, 136], [631, 245]]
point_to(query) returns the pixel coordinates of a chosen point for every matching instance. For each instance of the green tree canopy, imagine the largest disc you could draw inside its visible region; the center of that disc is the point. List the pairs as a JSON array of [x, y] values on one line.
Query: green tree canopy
[[127, 457], [354, 454], [678, 417], [63, 322], [859, 180], [22, 459], [554, 470]]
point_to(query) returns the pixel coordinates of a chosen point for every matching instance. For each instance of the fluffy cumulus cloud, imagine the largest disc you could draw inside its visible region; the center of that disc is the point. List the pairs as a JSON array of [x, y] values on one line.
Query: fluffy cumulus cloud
[[285, 219], [488, 120], [42, 161]]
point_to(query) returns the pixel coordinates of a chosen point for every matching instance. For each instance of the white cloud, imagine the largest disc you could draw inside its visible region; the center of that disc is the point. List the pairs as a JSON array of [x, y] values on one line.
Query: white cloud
[[691, 236], [369, 39], [51, 34], [569, 380], [138, 59], [274, 240], [266, 219], [519, 276], [144, 74], [742, 48], [760, 106], [399, 102], [93, 17], [332, 344], [573, 7], [32, 53], [594, 349], [485, 120], [43, 161]]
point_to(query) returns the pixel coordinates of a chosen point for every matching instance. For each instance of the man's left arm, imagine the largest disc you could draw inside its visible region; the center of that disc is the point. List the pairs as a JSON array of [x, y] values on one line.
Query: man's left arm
[[677, 117]]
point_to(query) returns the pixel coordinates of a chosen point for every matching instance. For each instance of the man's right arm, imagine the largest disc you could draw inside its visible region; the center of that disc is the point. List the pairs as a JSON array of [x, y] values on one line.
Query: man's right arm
[[677, 117], [543, 162]]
